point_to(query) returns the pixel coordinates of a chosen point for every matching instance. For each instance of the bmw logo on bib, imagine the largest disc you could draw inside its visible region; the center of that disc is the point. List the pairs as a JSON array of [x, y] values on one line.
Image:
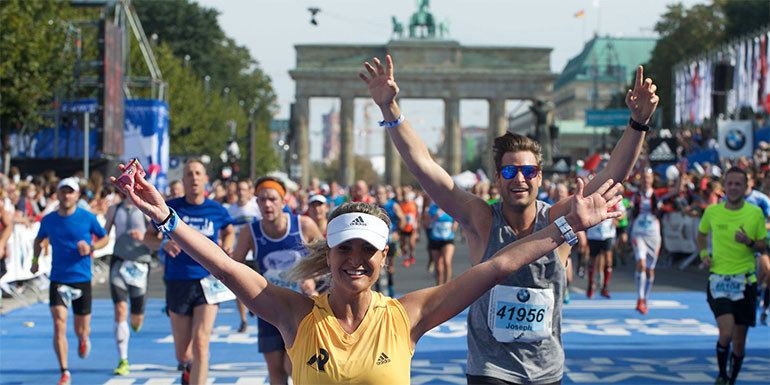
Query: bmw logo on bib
[[523, 295]]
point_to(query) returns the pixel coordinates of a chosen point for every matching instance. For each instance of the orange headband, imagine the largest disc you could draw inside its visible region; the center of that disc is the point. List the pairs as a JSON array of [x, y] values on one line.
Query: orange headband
[[273, 185]]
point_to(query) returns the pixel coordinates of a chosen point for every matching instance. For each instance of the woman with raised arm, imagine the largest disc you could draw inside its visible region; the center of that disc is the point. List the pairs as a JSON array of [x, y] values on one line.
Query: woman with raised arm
[[353, 334]]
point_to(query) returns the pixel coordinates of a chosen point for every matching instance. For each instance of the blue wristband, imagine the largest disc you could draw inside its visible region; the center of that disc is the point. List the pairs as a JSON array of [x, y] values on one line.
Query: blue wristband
[[170, 222], [392, 124]]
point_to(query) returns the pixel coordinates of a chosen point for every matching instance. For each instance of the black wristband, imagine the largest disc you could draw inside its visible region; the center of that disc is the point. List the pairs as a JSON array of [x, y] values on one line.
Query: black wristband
[[751, 245], [170, 214], [638, 126]]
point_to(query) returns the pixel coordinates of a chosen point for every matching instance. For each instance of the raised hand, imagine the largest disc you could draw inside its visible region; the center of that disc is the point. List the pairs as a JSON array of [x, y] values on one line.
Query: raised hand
[[591, 210], [382, 85], [145, 197], [642, 100]]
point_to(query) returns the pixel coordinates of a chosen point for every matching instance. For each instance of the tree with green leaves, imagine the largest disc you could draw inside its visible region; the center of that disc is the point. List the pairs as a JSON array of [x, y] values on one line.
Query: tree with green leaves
[[212, 80], [33, 63]]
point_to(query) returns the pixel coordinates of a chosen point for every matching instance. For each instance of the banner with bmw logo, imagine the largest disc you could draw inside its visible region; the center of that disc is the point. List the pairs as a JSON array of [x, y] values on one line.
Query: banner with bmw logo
[[736, 138]]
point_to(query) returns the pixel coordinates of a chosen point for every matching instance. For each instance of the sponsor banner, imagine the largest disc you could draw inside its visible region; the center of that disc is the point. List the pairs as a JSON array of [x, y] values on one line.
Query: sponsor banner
[[662, 151], [736, 138]]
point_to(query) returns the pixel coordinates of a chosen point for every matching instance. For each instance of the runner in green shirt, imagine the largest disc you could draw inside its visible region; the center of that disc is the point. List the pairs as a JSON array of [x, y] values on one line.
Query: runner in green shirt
[[737, 233]]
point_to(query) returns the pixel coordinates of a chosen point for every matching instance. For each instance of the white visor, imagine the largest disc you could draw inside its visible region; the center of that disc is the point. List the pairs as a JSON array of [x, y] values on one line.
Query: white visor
[[357, 225]]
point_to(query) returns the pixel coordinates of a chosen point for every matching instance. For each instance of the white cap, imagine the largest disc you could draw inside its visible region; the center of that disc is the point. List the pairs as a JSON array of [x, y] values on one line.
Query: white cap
[[357, 225], [317, 198], [70, 182]]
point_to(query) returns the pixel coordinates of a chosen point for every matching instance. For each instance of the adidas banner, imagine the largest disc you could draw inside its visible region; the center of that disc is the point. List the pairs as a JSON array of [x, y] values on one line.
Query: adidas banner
[[736, 138], [662, 151]]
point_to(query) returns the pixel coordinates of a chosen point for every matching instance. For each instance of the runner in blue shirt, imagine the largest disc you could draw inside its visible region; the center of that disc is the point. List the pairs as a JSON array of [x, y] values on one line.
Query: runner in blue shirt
[[69, 230], [397, 220], [191, 292], [441, 243]]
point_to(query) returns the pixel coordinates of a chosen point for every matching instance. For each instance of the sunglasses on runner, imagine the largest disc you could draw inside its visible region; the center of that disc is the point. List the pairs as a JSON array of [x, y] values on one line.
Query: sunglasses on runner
[[529, 172]]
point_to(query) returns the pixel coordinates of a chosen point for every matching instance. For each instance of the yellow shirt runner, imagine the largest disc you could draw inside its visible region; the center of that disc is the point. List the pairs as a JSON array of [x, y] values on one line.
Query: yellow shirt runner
[[378, 352]]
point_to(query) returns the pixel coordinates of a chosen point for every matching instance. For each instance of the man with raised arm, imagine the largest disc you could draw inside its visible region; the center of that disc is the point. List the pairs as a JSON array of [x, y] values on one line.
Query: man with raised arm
[[530, 352]]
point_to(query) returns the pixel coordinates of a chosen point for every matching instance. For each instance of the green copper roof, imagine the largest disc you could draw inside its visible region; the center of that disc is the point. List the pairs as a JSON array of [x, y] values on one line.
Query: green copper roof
[[615, 58]]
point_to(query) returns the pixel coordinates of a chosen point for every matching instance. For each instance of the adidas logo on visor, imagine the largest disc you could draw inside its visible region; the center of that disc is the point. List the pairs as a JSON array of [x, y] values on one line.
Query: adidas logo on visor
[[357, 222]]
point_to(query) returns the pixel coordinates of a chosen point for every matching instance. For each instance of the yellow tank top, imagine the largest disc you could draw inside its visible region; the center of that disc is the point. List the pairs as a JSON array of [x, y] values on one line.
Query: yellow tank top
[[378, 352]]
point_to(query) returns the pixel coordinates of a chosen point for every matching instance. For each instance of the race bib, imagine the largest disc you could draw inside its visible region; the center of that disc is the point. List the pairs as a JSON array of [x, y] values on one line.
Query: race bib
[[520, 314], [727, 286], [645, 223], [68, 294], [134, 273], [441, 231], [215, 291]]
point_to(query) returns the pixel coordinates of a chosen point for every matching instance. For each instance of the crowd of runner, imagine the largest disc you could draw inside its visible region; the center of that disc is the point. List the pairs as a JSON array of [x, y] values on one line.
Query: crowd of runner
[[294, 256]]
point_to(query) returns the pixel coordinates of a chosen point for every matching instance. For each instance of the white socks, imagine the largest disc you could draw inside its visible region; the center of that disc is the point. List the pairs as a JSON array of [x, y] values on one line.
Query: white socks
[[648, 286], [641, 283], [121, 338]]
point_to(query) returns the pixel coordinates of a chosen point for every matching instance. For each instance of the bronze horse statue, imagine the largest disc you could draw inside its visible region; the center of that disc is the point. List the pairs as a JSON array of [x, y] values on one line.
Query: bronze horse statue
[[424, 19]]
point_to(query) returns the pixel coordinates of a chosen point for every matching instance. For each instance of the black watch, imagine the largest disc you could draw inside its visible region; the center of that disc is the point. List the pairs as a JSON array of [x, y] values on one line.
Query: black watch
[[638, 126]]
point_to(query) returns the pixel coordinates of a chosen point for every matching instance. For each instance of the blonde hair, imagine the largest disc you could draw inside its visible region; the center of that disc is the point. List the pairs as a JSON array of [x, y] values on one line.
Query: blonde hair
[[313, 265]]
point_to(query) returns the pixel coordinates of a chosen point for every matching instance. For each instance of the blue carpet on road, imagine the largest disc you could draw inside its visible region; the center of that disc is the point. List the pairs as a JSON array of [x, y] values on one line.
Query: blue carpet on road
[[606, 341]]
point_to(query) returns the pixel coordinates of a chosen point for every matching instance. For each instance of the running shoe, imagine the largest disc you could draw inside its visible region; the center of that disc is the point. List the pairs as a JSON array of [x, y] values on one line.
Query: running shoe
[[581, 271], [412, 261], [643, 309], [243, 327], [65, 378], [406, 263], [566, 296], [84, 348], [136, 328], [720, 381], [430, 267], [763, 317], [590, 292], [639, 305], [605, 293], [122, 368], [186, 375]]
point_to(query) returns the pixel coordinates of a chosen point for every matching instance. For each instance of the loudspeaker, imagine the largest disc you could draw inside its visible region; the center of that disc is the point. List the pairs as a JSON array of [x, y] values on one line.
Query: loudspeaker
[[723, 77], [718, 104]]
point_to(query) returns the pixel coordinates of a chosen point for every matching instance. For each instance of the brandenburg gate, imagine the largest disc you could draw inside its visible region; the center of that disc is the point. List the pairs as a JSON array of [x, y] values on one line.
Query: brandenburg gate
[[425, 69]]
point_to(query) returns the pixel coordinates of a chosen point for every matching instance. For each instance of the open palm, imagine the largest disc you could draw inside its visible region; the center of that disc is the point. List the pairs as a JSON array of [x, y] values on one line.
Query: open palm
[[382, 85], [591, 210]]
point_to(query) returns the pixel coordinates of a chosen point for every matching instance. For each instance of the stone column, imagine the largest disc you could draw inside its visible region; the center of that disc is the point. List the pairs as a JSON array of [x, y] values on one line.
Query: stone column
[[392, 160], [453, 149], [302, 111], [498, 125], [347, 166]]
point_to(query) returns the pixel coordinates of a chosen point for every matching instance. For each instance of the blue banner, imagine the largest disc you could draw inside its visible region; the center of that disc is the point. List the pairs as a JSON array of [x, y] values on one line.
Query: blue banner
[[145, 137], [607, 117]]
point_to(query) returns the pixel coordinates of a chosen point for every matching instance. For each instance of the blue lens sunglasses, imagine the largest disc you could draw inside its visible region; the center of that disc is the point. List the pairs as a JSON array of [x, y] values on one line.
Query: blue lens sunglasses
[[529, 172]]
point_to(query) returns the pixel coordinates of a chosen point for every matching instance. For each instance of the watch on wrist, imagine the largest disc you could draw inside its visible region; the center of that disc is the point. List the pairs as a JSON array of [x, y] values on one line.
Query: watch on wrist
[[566, 231], [169, 224], [638, 126]]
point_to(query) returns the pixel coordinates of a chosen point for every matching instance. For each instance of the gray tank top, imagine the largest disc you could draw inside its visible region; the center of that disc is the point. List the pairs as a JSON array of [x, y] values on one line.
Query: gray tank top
[[525, 363], [127, 248]]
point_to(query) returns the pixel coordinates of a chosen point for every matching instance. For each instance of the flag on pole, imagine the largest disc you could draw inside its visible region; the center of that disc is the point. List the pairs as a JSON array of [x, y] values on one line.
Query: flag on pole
[[580, 14]]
